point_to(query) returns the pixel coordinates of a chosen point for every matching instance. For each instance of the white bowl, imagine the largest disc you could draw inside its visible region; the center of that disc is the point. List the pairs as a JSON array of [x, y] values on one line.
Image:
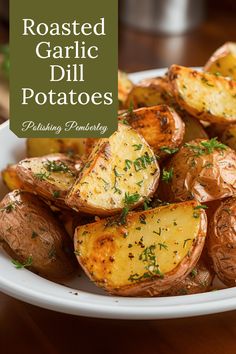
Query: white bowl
[[82, 297]]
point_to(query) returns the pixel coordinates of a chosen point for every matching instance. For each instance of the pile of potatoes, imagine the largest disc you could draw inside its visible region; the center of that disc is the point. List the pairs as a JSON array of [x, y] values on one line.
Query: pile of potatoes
[[149, 211]]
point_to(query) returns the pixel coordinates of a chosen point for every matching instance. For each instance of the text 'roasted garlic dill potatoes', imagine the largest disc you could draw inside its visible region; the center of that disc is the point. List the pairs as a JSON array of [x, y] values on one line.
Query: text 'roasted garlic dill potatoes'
[[121, 170], [33, 237], [201, 169], [146, 255], [206, 96], [50, 176], [222, 241]]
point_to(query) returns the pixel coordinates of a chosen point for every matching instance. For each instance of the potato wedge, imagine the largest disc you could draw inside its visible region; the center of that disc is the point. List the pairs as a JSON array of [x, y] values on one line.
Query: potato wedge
[[222, 241], [223, 61], [124, 87], [37, 147], [149, 254], [160, 126], [32, 236], [216, 130], [193, 128], [10, 178], [205, 96], [121, 170], [199, 280], [149, 92], [201, 169], [228, 136], [70, 220], [50, 176]]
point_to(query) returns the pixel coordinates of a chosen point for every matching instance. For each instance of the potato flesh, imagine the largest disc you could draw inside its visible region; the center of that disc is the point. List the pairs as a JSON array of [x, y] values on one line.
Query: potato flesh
[[104, 181], [112, 258], [204, 95], [60, 180], [124, 86], [10, 178], [223, 61], [150, 92], [40, 147]]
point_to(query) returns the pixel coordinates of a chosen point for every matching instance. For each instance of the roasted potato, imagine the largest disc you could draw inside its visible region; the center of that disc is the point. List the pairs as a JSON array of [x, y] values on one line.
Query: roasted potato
[[124, 87], [37, 147], [193, 128], [223, 61], [228, 136], [145, 255], [10, 178], [160, 125], [216, 130], [89, 145], [222, 241], [122, 171], [32, 236], [199, 280], [70, 220], [205, 96], [149, 92], [50, 176], [201, 169]]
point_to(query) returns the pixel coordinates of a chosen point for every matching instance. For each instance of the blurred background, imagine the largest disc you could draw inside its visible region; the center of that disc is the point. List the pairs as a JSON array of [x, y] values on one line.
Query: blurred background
[[158, 33], [153, 34]]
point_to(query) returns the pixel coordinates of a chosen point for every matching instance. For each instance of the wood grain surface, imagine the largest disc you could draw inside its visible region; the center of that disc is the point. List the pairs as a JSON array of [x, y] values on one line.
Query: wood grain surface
[[25, 329]]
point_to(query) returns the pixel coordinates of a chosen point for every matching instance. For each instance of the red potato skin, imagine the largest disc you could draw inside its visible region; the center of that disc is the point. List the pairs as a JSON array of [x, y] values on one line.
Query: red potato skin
[[219, 53], [42, 187], [189, 181], [29, 229], [195, 283], [221, 241]]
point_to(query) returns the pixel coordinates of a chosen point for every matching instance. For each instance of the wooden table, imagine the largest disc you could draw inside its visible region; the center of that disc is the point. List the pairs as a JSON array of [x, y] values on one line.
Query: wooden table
[[25, 329]]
